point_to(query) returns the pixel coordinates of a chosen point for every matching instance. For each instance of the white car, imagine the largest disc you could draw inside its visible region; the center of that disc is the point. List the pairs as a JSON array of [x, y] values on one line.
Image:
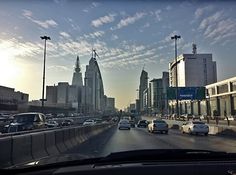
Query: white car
[[124, 124], [230, 118], [195, 127], [89, 122], [158, 125]]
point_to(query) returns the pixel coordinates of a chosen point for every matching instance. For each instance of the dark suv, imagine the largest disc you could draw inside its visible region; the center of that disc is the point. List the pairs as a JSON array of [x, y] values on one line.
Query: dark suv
[[27, 121]]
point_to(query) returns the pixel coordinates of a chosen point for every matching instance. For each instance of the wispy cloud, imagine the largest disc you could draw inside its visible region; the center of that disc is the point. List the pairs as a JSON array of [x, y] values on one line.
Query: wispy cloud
[[64, 34], [96, 34], [59, 68], [157, 14], [130, 20], [200, 11], [45, 24], [114, 37], [218, 27], [103, 20]]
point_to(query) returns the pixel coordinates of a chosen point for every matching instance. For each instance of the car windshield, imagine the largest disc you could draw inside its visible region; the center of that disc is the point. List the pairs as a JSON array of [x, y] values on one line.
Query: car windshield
[[116, 75], [24, 118]]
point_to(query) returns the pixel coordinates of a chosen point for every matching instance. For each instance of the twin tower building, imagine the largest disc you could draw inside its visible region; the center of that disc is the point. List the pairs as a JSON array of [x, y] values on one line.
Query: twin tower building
[[85, 96]]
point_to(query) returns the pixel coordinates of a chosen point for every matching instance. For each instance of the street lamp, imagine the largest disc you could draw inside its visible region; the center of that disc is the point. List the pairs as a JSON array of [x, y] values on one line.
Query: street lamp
[[176, 37], [45, 38]]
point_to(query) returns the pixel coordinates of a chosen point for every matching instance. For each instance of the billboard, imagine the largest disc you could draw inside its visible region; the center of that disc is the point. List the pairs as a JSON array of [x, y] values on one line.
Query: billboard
[[186, 93]]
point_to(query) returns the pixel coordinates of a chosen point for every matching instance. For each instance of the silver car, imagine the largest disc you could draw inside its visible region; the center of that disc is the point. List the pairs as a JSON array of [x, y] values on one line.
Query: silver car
[[124, 124], [195, 127], [158, 126]]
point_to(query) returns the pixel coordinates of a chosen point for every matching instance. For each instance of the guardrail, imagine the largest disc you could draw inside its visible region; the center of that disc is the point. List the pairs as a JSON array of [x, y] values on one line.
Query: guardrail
[[17, 149]]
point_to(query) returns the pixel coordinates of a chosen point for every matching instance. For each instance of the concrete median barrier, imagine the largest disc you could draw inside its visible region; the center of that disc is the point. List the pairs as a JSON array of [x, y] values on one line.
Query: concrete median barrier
[[21, 149], [18, 149], [5, 151], [72, 137], [59, 135], [67, 139], [50, 143], [38, 146]]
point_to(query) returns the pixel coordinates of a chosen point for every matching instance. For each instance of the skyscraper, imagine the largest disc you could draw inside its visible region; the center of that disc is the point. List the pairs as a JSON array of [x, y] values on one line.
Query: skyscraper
[[143, 85], [94, 81], [77, 76]]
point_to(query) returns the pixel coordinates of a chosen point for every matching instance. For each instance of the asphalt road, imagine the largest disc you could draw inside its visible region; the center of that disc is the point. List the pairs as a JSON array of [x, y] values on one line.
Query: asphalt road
[[115, 140]]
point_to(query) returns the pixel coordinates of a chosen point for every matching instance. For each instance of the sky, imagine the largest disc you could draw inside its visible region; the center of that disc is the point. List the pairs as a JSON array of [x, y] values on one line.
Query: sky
[[128, 36]]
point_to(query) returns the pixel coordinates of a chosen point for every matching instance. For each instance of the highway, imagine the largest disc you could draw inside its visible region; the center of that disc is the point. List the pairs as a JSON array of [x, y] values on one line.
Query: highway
[[115, 140]]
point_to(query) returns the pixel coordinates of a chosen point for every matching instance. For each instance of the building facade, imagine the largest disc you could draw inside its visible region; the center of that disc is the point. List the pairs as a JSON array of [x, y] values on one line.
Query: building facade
[[11, 100], [143, 89], [193, 70], [94, 81]]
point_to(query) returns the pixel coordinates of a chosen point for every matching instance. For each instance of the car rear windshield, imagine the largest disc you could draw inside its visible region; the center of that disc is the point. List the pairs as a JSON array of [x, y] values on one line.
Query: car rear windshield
[[199, 123], [24, 118], [159, 121], [124, 121]]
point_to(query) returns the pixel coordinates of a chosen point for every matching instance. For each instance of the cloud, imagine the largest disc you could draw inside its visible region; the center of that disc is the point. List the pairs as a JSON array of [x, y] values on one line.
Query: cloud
[[200, 11], [64, 34], [59, 68], [211, 19], [162, 60], [130, 20], [45, 24], [168, 7], [94, 35], [157, 15], [27, 13], [114, 37], [85, 10], [103, 20], [218, 28], [95, 4]]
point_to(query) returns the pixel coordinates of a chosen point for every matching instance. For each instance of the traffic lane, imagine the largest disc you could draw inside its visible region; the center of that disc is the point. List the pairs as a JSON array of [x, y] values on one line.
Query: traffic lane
[[185, 141], [134, 139], [115, 140]]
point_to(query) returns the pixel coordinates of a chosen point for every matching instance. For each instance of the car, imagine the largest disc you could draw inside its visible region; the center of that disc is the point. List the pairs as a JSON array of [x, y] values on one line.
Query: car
[[158, 126], [27, 121], [89, 122], [195, 127], [142, 123], [203, 117], [186, 116], [124, 124], [52, 124], [67, 122], [230, 118], [132, 123]]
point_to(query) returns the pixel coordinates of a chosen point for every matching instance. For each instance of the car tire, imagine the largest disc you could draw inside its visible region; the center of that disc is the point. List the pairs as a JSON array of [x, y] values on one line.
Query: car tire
[[119, 128], [189, 131]]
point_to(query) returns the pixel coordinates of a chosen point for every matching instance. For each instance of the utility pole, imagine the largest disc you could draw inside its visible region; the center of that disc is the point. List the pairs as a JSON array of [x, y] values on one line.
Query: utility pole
[[176, 37], [45, 38]]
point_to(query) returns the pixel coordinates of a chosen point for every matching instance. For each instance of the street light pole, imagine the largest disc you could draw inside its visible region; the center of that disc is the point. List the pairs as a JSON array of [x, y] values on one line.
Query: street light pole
[[176, 37], [45, 38]]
